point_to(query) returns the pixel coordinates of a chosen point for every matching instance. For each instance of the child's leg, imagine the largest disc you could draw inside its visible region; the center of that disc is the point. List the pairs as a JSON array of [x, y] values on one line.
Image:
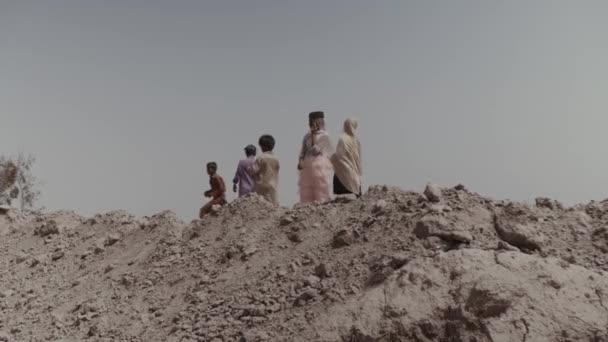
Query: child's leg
[[206, 209]]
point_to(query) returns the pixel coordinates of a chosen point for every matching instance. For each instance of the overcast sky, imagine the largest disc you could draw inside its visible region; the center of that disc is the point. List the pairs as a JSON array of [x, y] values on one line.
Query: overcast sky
[[123, 102]]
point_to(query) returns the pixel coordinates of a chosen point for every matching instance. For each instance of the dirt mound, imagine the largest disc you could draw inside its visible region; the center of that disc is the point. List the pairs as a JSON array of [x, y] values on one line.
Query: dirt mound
[[443, 265], [475, 295]]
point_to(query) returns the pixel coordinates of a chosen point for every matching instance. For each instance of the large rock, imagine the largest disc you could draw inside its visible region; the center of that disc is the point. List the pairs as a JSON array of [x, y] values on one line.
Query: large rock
[[520, 235], [433, 192], [442, 228], [474, 295]]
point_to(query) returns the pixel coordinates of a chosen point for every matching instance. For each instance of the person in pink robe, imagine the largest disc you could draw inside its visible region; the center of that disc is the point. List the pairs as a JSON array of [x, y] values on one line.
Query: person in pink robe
[[316, 170]]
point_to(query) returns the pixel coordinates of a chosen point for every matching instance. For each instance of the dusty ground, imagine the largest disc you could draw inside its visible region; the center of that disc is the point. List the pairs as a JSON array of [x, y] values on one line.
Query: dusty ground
[[446, 265]]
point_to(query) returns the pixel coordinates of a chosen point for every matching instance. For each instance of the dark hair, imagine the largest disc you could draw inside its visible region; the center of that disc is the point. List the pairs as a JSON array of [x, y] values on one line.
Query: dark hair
[[316, 115], [250, 150], [212, 165], [267, 142]]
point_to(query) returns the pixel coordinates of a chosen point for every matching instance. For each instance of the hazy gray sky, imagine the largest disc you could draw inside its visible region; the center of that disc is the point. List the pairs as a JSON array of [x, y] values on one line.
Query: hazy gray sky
[[124, 101]]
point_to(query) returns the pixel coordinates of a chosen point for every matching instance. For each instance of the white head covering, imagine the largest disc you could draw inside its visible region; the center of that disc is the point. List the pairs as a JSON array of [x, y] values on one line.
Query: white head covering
[[347, 159]]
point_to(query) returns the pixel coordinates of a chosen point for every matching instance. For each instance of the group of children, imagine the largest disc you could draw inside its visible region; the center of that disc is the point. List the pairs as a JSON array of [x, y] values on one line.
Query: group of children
[[318, 162]]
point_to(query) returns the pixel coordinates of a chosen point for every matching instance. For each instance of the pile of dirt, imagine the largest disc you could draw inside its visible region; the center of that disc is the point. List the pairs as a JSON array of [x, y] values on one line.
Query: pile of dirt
[[442, 265]]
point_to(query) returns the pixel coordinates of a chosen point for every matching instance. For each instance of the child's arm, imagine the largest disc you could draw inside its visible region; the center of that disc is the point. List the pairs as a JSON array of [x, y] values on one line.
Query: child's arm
[[236, 178]]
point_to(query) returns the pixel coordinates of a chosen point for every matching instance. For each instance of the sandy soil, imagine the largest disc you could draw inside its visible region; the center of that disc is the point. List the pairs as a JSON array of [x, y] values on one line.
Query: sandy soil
[[442, 265]]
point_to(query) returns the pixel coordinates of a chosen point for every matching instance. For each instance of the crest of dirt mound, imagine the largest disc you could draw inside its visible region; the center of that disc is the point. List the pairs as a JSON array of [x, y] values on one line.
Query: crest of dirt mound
[[442, 265]]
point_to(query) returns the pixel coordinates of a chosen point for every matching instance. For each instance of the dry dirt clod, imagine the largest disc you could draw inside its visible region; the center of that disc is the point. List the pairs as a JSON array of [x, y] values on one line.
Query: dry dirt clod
[[6, 294], [111, 240], [323, 270], [294, 237], [502, 245], [312, 281], [380, 207], [57, 255], [344, 237], [440, 227], [37, 261], [305, 296], [21, 257], [49, 228], [286, 220]]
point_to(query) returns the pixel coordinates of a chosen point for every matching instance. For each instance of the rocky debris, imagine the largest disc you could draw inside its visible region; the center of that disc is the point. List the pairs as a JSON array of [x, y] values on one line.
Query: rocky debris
[[46, 229], [460, 187], [108, 268], [21, 257], [441, 228], [305, 297], [433, 193], [434, 243], [323, 270], [10, 219], [391, 265], [111, 240], [100, 247], [57, 255], [6, 294], [506, 247], [523, 236], [398, 260], [544, 202], [345, 199], [93, 331], [380, 207], [37, 260], [600, 239], [497, 298], [286, 220], [345, 237], [116, 218], [294, 237], [594, 209], [383, 267]]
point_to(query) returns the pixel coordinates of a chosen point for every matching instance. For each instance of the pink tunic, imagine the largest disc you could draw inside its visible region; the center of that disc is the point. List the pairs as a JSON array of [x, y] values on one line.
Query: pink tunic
[[317, 171]]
